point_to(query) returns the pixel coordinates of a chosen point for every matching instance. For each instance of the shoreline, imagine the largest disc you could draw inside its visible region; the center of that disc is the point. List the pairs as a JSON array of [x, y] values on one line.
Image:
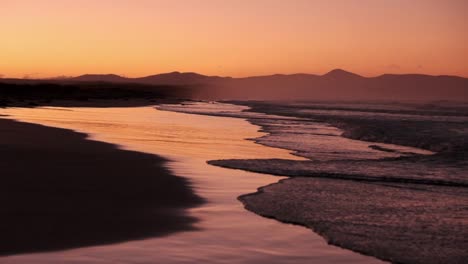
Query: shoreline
[[94, 194], [244, 199], [437, 236], [344, 224], [249, 238], [425, 242]]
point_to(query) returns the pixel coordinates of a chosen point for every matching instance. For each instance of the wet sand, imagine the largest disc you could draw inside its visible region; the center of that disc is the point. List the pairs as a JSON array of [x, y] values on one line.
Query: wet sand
[[225, 232], [59, 190], [406, 205]]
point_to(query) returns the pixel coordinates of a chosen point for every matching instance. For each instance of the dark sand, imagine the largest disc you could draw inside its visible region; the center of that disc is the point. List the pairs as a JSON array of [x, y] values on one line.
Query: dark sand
[[60, 191]]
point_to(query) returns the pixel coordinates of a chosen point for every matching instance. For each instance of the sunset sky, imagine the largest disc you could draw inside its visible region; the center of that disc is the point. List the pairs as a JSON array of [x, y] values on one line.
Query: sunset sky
[[45, 38]]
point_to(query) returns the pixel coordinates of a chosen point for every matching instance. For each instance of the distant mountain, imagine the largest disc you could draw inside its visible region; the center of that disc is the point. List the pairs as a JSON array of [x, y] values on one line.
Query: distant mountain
[[337, 84], [99, 78], [171, 78], [340, 74], [342, 85], [177, 78]]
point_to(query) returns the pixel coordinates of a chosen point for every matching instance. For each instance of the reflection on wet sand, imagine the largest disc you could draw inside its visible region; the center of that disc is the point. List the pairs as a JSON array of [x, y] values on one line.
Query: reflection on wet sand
[[227, 232], [60, 191]]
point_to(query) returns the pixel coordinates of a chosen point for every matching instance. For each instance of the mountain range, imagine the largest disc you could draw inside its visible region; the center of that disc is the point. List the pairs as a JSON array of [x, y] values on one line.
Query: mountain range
[[335, 85]]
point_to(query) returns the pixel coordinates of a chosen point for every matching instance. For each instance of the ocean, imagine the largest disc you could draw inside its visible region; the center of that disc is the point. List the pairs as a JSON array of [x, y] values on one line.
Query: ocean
[[387, 179]]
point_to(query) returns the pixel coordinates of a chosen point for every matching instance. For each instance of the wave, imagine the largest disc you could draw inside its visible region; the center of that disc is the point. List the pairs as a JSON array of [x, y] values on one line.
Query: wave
[[367, 171], [386, 185]]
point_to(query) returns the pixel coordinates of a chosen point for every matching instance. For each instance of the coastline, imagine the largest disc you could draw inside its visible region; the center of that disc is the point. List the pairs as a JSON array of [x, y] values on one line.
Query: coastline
[[364, 217], [367, 206], [93, 194], [384, 210], [246, 237]]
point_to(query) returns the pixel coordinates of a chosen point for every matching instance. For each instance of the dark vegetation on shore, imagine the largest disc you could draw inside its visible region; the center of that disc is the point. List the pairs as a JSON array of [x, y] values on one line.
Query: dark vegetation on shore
[[61, 191], [37, 93]]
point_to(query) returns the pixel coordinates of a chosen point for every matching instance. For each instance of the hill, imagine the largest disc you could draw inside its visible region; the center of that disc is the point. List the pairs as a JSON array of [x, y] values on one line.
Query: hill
[[337, 84]]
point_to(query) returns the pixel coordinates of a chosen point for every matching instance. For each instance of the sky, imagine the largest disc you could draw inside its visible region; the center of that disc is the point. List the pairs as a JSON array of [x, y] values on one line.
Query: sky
[[47, 38]]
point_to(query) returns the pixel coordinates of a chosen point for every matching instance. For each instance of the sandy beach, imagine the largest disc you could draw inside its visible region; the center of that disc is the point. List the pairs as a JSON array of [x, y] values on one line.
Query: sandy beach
[[219, 132], [64, 191], [224, 231]]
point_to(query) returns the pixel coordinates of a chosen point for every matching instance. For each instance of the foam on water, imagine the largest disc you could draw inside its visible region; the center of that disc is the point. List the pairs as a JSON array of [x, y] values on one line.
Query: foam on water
[[394, 201], [306, 137]]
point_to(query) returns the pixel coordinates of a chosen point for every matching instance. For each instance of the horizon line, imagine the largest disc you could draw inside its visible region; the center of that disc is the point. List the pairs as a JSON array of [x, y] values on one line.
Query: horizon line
[[64, 77]]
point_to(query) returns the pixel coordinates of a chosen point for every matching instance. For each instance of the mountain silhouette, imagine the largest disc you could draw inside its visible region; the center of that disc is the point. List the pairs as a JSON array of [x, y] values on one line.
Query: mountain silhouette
[[337, 84], [176, 78], [99, 78], [340, 74]]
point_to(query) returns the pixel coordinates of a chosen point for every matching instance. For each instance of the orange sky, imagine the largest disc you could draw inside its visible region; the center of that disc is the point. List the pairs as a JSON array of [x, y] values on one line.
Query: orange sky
[[44, 38]]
